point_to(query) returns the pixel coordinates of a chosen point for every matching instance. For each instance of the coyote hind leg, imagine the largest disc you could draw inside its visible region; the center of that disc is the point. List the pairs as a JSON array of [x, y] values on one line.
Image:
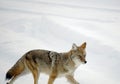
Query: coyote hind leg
[[34, 70]]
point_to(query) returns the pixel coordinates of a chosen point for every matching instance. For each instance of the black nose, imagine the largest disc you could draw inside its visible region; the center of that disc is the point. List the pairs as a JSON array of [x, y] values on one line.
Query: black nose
[[85, 62]]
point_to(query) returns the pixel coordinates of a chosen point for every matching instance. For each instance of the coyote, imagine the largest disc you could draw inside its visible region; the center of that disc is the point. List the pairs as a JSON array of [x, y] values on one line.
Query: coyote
[[52, 63]]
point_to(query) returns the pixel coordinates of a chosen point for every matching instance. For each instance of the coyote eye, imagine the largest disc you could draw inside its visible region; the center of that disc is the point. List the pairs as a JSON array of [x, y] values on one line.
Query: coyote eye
[[80, 57]]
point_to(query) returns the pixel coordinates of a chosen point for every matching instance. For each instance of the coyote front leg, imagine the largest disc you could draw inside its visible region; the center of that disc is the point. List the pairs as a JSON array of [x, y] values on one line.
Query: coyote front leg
[[53, 74], [71, 79], [52, 78]]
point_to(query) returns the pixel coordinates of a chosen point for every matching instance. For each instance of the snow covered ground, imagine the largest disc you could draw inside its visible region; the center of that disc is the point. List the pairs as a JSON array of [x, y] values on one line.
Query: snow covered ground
[[55, 25]]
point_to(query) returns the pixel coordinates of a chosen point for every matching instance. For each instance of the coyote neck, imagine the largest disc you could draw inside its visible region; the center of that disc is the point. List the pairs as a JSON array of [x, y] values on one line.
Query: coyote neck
[[68, 57]]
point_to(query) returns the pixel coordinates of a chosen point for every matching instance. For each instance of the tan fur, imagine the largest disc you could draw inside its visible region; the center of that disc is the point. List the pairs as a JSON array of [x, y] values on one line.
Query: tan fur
[[52, 63]]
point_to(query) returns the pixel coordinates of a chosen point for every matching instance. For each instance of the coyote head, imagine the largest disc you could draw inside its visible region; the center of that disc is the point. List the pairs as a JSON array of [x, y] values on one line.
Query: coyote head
[[79, 53]]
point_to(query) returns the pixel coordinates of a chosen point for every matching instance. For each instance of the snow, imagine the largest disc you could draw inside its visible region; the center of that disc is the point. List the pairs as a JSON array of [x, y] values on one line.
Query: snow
[[57, 24]]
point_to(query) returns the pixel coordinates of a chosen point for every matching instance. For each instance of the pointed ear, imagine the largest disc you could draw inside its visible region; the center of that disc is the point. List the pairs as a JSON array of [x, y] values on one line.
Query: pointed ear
[[83, 46], [74, 46]]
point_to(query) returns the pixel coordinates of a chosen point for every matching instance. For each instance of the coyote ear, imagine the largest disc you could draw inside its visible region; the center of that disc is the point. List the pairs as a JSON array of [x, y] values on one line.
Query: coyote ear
[[74, 46], [83, 46]]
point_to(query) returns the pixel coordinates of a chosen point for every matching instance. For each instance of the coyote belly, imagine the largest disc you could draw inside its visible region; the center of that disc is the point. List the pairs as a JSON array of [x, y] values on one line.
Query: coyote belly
[[52, 63]]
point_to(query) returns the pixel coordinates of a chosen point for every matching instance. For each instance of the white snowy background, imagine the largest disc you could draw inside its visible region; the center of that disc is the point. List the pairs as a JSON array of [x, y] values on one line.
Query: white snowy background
[[56, 24]]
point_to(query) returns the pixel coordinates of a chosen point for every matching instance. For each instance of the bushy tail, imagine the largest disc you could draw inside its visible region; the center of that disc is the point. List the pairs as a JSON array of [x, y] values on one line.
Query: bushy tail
[[15, 70], [8, 75]]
